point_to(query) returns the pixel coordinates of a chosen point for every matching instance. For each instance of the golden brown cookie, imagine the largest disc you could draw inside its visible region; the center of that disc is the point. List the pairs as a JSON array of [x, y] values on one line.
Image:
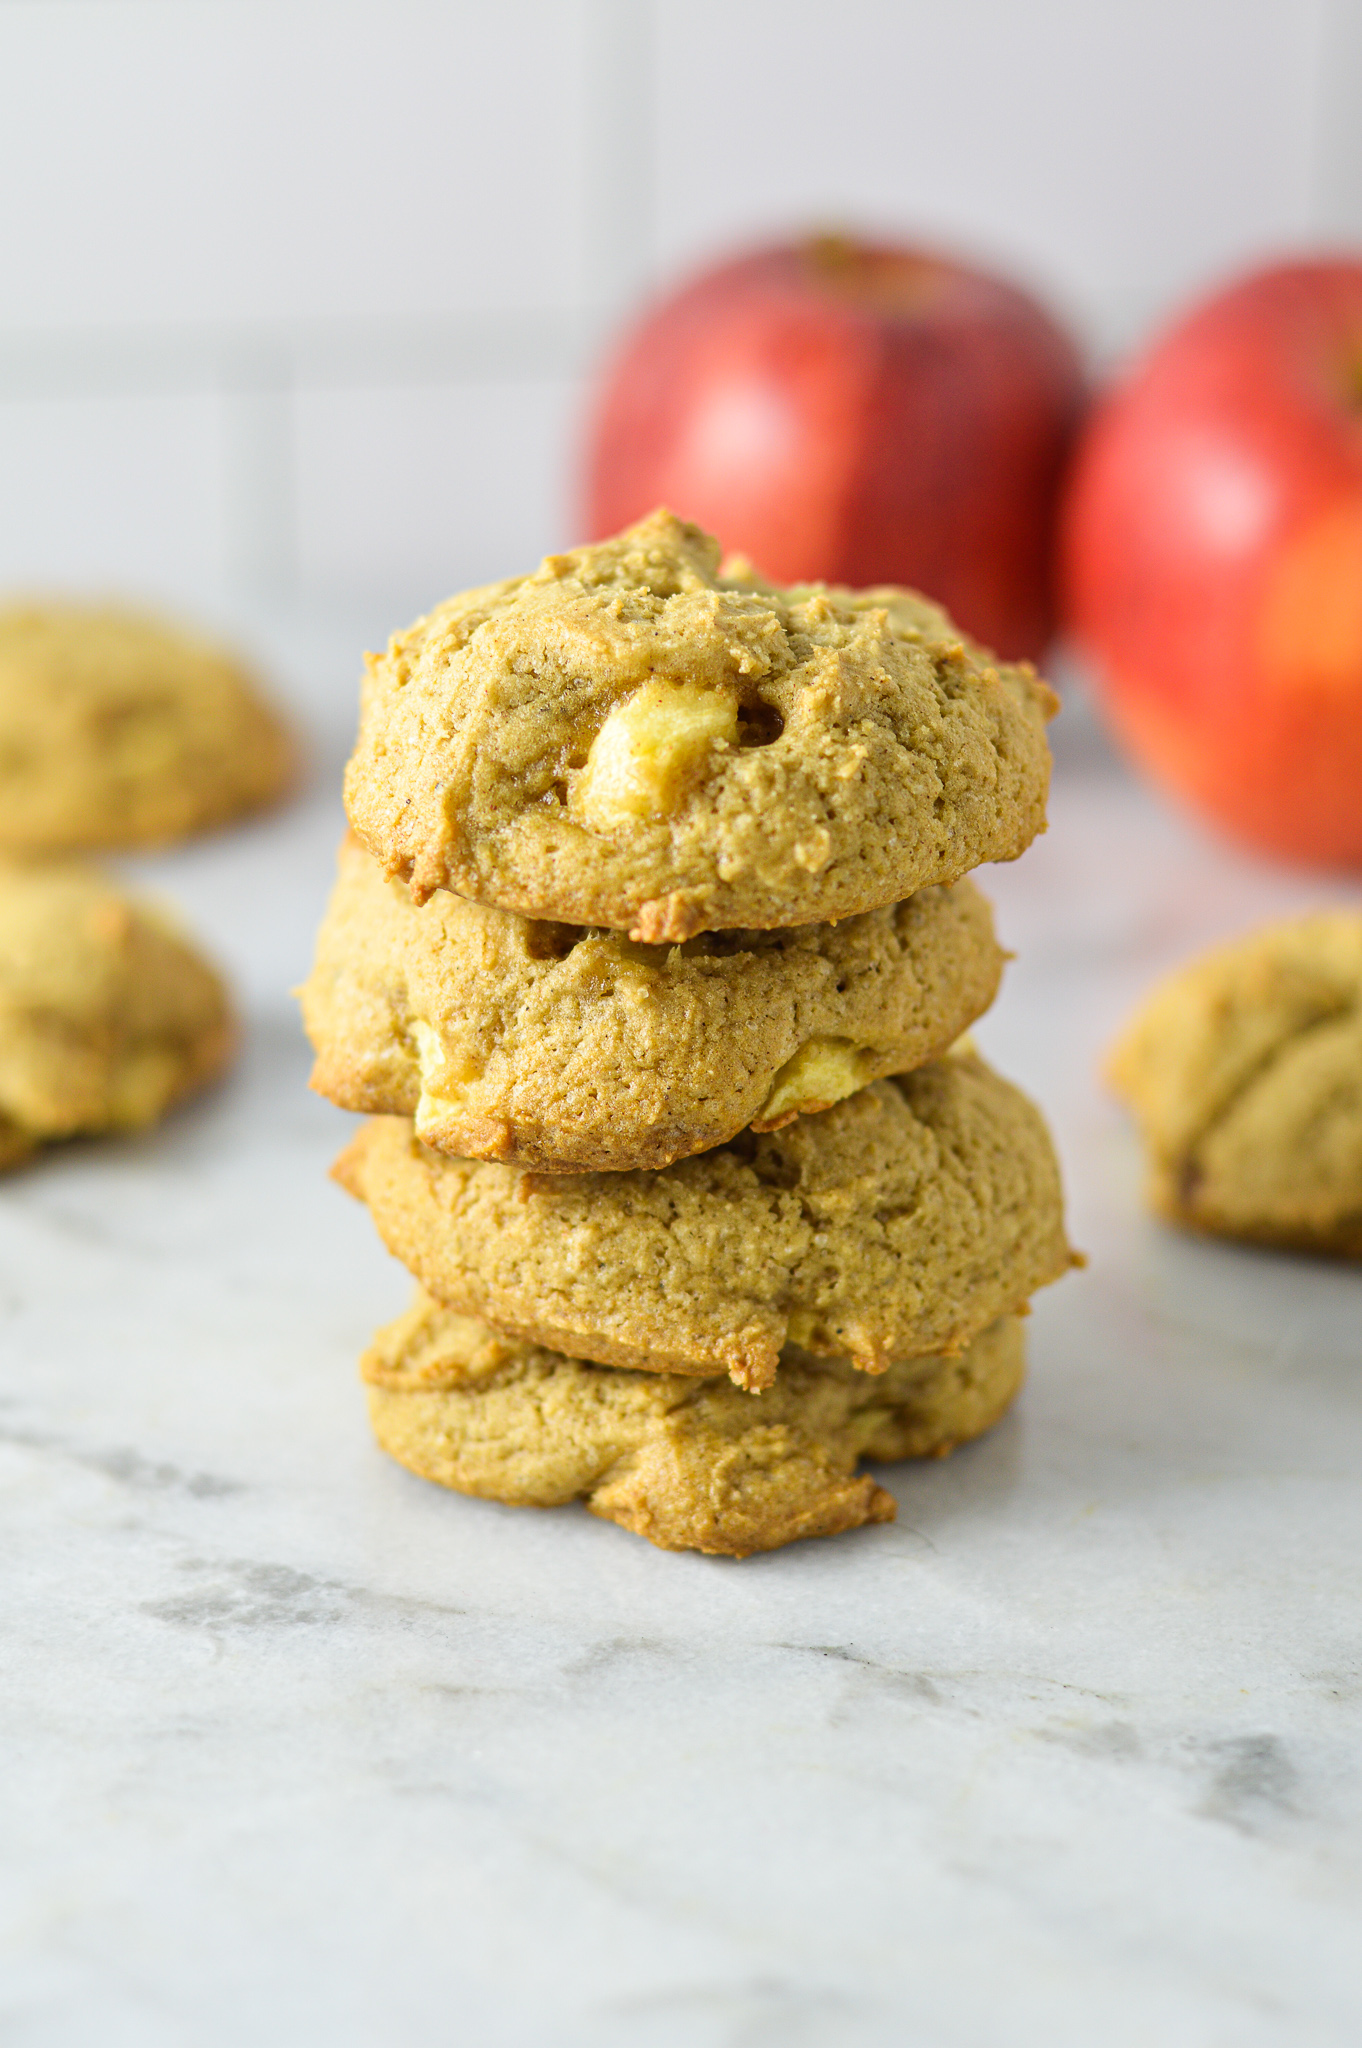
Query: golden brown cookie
[[690, 1464], [627, 739], [571, 1050], [898, 1223], [107, 1014], [117, 731], [1244, 1073]]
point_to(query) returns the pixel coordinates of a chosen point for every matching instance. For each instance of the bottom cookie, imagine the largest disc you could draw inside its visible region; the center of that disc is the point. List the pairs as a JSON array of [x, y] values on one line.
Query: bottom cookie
[[690, 1464]]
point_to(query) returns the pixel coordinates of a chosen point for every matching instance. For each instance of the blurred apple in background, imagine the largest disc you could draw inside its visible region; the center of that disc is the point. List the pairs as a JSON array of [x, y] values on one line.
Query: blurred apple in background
[[1213, 550], [857, 412]]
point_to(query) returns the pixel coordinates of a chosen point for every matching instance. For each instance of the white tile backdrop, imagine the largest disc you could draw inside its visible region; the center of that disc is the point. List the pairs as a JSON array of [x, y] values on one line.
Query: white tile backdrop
[[298, 297]]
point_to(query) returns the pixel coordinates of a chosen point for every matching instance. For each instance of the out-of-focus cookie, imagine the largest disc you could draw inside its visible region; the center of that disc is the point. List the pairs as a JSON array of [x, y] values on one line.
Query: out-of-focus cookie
[[1244, 1073], [690, 1464], [571, 1051], [898, 1223], [627, 739], [118, 731], [107, 1014]]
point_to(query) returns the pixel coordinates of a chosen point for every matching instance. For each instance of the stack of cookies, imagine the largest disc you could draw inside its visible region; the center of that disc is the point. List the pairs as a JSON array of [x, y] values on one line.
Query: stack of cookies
[[650, 957]]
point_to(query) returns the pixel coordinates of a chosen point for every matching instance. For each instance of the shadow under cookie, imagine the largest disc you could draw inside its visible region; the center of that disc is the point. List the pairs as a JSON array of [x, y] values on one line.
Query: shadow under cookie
[[690, 1464]]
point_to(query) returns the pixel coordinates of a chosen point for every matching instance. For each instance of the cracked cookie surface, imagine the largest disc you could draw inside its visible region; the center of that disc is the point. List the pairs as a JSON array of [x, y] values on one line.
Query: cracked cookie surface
[[690, 1464], [1244, 1074], [118, 731], [898, 1223], [108, 1015], [626, 738], [570, 1050]]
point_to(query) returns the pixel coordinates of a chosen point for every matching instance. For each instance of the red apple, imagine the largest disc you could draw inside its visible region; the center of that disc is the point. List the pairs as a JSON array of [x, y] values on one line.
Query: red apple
[[1213, 556], [854, 412]]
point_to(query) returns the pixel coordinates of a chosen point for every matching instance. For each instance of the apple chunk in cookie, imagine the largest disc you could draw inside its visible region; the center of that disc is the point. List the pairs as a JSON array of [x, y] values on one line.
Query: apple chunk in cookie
[[571, 1050], [823, 1071], [651, 749]]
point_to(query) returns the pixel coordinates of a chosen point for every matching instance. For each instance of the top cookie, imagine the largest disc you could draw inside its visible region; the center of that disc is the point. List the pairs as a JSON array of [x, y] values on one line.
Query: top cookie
[[116, 731], [1244, 1071], [627, 738]]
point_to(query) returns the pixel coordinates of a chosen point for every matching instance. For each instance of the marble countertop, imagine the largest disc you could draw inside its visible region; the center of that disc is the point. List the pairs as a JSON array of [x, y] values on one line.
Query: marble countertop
[[300, 1749]]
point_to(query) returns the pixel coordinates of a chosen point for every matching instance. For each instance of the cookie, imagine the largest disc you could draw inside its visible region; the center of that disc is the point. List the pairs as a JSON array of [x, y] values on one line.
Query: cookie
[[15, 1144], [627, 739], [898, 1223], [107, 1015], [690, 1464], [1244, 1073], [570, 1050], [116, 731]]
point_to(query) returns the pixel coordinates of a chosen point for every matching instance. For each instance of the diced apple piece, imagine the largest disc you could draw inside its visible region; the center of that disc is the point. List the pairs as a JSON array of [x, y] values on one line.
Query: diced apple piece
[[650, 750], [819, 1074]]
